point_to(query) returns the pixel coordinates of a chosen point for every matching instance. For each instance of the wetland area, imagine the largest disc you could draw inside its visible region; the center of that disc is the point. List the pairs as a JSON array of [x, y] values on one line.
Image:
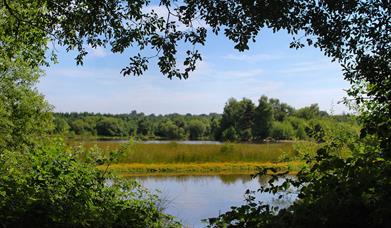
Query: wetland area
[[197, 180]]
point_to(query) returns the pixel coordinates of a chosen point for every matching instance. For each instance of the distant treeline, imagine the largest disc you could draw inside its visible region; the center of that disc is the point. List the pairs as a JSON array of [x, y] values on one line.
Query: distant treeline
[[241, 121]]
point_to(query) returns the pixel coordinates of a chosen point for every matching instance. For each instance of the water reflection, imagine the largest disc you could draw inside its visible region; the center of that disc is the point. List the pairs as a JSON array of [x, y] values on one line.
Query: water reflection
[[192, 198]]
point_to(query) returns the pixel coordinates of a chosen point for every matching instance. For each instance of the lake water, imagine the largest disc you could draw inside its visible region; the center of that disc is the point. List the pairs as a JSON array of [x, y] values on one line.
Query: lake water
[[193, 198]]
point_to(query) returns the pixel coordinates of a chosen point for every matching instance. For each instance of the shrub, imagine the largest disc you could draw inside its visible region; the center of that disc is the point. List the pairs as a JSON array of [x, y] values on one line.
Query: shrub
[[230, 134], [50, 187], [282, 130]]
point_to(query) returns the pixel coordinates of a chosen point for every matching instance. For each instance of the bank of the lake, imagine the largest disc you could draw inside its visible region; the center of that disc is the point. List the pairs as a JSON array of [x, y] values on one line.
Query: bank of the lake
[[209, 168]]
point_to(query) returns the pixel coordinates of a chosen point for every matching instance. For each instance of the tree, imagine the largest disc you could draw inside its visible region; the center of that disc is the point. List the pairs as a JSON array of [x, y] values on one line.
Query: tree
[[245, 119], [82, 127], [229, 119], [61, 126], [309, 112], [169, 130], [280, 110], [230, 134], [144, 127], [197, 129], [25, 117], [282, 130], [299, 127], [237, 120], [263, 119], [109, 126], [45, 185]]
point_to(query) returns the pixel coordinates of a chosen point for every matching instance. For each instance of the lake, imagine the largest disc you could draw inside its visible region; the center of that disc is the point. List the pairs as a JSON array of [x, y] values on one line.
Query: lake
[[193, 198]]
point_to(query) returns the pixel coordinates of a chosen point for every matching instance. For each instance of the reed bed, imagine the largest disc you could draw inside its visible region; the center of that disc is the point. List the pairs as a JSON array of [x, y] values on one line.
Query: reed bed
[[176, 158], [135, 169], [190, 153], [194, 153]]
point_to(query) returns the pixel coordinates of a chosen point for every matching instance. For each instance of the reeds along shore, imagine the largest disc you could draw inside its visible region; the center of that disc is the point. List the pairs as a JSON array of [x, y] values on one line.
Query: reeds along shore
[[175, 158], [195, 153], [216, 168]]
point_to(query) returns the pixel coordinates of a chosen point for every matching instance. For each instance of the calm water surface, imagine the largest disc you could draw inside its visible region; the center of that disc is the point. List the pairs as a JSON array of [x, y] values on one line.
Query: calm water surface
[[193, 198]]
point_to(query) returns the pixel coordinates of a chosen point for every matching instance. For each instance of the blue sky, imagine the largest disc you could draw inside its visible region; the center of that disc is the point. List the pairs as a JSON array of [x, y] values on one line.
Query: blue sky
[[297, 77]]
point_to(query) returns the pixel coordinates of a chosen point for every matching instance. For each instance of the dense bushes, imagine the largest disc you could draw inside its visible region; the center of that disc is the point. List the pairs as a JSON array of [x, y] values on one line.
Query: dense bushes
[[50, 187], [44, 185], [282, 130], [25, 117]]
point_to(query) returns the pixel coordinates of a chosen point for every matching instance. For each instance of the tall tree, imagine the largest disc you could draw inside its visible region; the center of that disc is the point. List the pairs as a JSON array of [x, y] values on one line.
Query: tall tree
[[109, 126], [230, 117], [263, 118], [245, 119], [280, 110], [197, 129], [25, 117]]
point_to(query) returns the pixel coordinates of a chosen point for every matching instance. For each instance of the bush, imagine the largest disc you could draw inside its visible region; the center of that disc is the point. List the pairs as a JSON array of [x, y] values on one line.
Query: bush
[[230, 134], [50, 187], [333, 191], [282, 130]]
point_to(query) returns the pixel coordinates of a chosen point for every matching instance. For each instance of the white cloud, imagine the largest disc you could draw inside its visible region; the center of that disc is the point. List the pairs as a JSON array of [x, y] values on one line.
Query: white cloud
[[253, 58], [311, 66], [98, 52]]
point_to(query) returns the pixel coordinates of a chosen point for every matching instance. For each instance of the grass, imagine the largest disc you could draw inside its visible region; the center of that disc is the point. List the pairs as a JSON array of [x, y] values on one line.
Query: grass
[[187, 153], [174, 158], [217, 168]]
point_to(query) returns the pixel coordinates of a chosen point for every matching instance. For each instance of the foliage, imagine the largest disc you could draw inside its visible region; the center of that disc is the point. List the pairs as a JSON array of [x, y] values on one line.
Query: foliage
[[25, 117], [240, 121], [41, 183], [109, 127], [309, 112], [230, 134], [360, 182], [197, 129], [299, 126], [170, 130], [263, 117], [51, 187], [280, 110], [282, 130], [61, 126]]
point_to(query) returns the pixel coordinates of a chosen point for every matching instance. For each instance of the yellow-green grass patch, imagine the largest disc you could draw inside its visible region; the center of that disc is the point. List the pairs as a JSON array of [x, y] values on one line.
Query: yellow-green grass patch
[[136, 169]]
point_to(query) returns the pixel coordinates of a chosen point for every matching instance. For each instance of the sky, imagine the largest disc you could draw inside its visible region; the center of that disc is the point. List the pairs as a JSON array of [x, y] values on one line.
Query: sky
[[297, 77]]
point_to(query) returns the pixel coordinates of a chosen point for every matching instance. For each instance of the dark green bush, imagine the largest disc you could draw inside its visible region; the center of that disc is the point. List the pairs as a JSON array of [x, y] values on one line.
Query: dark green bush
[[282, 130], [50, 187]]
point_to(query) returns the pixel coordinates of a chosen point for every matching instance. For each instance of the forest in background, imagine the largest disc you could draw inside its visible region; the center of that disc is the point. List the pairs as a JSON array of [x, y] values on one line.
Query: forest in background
[[241, 121]]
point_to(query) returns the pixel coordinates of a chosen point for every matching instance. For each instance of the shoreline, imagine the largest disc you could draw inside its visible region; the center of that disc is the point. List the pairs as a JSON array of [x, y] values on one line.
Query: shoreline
[[197, 169]]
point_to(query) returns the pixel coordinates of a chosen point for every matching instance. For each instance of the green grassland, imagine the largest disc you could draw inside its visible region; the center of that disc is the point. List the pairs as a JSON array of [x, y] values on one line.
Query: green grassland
[[176, 158]]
